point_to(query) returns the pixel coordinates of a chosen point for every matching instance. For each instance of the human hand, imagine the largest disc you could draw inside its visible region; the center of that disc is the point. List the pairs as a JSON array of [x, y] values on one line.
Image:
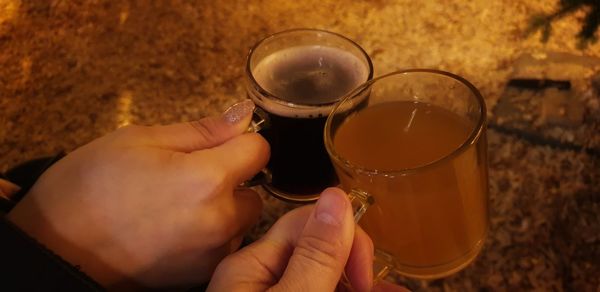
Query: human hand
[[150, 206], [8, 189], [306, 250]]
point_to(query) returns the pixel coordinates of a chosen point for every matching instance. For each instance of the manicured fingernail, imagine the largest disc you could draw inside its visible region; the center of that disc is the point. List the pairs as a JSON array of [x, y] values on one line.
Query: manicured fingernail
[[331, 208], [237, 112]]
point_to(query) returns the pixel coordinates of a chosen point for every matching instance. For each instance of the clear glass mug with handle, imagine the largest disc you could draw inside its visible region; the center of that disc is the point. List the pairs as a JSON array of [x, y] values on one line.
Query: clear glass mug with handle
[[410, 149], [295, 78]]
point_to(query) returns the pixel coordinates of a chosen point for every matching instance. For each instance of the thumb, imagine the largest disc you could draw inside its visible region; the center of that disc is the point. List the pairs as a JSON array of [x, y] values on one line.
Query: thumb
[[205, 133], [323, 248]]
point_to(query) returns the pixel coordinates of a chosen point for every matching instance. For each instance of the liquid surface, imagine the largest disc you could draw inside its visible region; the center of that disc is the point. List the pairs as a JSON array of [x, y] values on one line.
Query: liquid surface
[[400, 135], [433, 221], [310, 75]]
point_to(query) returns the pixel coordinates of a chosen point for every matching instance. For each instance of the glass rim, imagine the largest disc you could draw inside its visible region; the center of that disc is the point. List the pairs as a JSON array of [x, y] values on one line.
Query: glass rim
[[273, 97], [473, 136]]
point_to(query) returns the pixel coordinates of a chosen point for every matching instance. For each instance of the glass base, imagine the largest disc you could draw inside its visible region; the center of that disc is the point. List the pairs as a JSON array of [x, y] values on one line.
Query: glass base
[[291, 198], [440, 271]]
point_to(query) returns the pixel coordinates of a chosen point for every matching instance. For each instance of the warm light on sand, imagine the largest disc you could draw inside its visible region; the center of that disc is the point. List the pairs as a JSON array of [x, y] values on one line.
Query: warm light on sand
[[8, 10], [25, 68], [124, 108]]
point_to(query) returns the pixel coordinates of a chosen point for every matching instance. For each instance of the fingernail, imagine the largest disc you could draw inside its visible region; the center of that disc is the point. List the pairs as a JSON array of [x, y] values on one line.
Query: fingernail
[[331, 208], [237, 112]]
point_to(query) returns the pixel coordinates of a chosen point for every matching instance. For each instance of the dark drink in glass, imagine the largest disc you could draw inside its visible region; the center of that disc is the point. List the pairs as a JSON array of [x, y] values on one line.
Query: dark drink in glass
[[295, 78]]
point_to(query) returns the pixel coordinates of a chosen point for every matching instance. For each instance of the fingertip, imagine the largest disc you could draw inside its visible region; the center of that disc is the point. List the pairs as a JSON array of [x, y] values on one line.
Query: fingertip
[[332, 207], [250, 202], [335, 191], [263, 148], [257, 151], [362, 234], [364, 237], [239, 114], [253, 144], [251, 196], [235, 243]]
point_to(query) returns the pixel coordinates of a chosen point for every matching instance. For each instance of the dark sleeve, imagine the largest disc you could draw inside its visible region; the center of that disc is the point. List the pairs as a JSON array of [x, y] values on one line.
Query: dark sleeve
[[26, 265]]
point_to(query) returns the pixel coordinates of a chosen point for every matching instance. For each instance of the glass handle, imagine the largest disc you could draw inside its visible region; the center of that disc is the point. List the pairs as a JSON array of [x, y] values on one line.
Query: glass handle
[[382, 265], [260, 120], [360, 201]]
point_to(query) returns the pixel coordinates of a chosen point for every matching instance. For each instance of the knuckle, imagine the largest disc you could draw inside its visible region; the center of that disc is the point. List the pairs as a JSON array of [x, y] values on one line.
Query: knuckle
[[205, 129], [216, 179], [260, 142], [318, 251], [212, 181]]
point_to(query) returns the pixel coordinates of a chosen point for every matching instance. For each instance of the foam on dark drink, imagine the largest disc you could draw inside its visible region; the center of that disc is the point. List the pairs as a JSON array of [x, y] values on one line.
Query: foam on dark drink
[[308, 75]]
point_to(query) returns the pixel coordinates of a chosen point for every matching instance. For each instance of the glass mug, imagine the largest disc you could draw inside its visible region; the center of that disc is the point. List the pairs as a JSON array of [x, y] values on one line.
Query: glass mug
[[410, 149], [295, 78]]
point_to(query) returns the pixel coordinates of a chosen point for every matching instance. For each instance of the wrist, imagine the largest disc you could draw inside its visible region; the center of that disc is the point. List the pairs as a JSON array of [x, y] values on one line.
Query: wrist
[[81, 253]]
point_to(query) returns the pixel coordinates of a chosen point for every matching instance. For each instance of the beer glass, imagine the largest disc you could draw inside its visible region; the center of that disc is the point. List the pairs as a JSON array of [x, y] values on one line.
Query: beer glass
[[295, 77], [410, 149]]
